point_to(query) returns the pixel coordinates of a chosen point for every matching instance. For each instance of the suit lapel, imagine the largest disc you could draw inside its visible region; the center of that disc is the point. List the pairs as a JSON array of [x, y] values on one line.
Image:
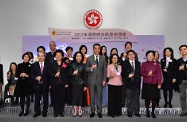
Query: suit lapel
[[130, 66], [38, 67]]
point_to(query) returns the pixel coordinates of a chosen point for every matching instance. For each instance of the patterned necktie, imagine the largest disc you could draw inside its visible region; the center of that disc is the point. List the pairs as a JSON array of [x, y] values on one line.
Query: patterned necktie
[[41, 68]]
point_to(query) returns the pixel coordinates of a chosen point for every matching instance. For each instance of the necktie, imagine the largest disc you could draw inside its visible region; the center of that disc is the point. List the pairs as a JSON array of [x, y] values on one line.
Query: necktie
[[133, 66], [97, 61], [41, 68]]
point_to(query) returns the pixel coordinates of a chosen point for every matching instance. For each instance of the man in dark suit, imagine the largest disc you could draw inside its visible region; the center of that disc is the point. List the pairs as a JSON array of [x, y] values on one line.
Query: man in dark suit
[[50, 59], [96, 69], [39, 76], [1, 85], [123, 58], [181, 78], [131, 74]]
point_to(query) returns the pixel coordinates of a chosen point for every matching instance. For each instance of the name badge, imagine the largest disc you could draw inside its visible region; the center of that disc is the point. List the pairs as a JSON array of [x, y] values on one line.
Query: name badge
[[118, 73]]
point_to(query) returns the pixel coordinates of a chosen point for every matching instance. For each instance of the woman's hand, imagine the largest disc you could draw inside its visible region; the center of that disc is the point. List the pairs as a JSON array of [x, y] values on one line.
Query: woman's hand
[[85, 88], [159, 86], [57, 74], [75, 72]]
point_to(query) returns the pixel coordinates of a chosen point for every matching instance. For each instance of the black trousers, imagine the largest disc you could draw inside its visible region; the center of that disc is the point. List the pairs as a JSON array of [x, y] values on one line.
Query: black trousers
[[22, 102], [41, 92], [59, 98], [51, 95], [123, 93], [114, 100], [165, 94], [133, 101]]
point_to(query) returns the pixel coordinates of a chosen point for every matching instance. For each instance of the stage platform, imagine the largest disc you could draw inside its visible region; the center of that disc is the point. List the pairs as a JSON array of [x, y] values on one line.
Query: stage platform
[[10, 114]]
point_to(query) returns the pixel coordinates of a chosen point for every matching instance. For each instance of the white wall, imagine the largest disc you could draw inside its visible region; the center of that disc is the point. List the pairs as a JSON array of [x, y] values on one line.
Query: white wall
[[142, 17]]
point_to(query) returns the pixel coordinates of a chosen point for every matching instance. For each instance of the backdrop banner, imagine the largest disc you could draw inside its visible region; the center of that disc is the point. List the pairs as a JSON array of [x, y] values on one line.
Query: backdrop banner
[[72, 36]]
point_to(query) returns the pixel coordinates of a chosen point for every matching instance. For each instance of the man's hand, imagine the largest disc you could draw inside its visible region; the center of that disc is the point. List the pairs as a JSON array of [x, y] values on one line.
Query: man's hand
[[104, 83], [131, 75]]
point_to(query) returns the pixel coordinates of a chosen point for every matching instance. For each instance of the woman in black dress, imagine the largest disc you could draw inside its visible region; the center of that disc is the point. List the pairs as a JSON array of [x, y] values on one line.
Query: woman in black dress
[[168, 64], [23, 86], [58, 73], [77, 72]]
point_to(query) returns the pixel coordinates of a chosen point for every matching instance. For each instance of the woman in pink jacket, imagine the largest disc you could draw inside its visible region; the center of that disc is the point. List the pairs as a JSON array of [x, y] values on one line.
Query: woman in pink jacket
[[114, 87]]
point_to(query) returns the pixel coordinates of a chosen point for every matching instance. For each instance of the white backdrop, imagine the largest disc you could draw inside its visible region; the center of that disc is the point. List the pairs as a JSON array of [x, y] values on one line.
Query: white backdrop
[[141, 17]]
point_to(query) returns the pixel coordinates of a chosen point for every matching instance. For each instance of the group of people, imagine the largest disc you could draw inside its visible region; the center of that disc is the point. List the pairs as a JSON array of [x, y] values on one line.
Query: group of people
[[67, 79]]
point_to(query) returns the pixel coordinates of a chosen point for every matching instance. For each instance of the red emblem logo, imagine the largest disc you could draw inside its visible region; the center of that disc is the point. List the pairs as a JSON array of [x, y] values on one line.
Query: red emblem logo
[[93, 19]]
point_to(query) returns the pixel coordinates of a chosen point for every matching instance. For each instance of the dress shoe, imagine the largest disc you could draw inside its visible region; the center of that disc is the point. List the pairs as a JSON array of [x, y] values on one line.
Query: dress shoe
[[165, 105], [92, 115], [61, 115], [26, 113], [138, 115], [183, 114], [129, 115], [36, 114], [55, 115], [100, 115], [153, 115], [147, 114], [44, 114], [21, 113], [170, 106]]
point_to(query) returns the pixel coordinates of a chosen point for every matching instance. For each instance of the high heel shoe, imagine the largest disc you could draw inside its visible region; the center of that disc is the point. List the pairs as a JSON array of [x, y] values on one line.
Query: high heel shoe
[[153, 115], [21, 113], [148, 115], [80, 113]]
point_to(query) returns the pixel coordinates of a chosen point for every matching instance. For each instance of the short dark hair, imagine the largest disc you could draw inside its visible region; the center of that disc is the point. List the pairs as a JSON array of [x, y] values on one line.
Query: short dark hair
[[112, 57], [150, 51], [182, 46], [80, 48], [42, 47], [96, 44], [128, 43], [69, 48], [74, 56], [59, 51], [25, 55], [131, 51], [30, 54]]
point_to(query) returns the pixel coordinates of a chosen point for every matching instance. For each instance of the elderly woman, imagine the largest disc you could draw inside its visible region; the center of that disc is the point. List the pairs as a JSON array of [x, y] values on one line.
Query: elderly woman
[[58, 73], [152, 80]]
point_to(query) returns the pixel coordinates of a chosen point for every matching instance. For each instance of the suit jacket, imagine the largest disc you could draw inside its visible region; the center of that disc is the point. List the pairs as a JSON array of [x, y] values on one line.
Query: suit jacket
[[181, 75], [171, 70], [135, 82], [117, 79], [49, 57], [98, 75], [64, 73], [157, 73], [1, 74], [35, 72], [23, 85]]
